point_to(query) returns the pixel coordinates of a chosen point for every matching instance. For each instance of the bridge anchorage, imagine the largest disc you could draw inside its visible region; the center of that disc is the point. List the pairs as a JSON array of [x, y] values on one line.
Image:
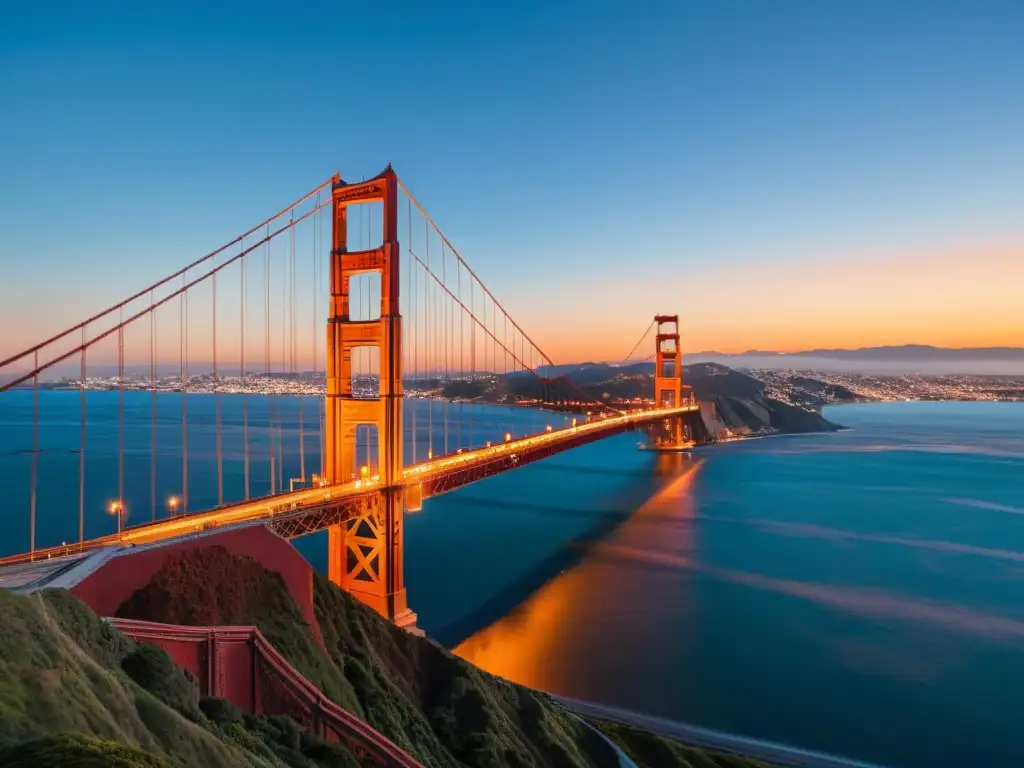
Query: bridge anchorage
[[218, 441]]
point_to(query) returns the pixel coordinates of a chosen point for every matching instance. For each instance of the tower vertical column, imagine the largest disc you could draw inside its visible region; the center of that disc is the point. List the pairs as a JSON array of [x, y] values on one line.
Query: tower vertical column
[[365, 553], [668, 378]]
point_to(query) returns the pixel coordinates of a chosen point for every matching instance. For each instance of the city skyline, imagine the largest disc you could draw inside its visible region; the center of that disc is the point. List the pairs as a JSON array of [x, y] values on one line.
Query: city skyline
[[823, 178]]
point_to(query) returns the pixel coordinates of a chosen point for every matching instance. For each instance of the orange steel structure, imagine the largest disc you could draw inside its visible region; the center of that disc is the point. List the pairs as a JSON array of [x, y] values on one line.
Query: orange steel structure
[[364, 553], [669, 391], [465, 333]]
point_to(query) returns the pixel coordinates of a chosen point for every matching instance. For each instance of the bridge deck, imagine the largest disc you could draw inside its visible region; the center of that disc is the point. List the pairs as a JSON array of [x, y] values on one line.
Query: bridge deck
[[310, 509]]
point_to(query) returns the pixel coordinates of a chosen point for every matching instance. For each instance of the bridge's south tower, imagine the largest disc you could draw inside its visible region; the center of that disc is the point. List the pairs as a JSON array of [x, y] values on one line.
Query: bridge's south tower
[[669, 391], [365, 553]]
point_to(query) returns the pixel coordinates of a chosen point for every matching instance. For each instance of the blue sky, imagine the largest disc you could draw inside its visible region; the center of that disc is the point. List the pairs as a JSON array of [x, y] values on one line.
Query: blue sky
[[594, 161]]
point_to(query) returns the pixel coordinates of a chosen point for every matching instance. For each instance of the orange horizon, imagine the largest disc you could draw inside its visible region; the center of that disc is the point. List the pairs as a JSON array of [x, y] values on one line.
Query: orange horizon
[[952, 298]]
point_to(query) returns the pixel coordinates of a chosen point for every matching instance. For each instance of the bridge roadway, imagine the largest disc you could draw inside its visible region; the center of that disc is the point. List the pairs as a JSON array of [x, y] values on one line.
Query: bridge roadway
[[309, 509]]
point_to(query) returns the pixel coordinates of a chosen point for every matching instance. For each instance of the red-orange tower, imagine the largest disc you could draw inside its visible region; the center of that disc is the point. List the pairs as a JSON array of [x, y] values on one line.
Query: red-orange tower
[[365, 553], [669, 391]]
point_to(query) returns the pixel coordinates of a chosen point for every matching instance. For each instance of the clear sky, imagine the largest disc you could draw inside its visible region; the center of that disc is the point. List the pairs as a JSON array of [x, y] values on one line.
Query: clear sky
[[786, 175]]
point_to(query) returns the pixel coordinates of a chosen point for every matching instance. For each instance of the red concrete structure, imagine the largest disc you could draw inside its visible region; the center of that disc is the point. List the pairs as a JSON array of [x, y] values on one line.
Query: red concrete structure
[[238, 664], [107, 588]]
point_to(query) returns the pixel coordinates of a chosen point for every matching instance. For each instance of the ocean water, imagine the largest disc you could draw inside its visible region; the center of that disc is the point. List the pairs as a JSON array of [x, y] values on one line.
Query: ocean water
[[860, 593]]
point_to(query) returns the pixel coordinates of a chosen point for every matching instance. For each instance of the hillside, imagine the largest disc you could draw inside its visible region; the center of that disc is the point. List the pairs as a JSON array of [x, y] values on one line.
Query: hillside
[[76, 692], [441, 709], [437, 707], [741, 402]]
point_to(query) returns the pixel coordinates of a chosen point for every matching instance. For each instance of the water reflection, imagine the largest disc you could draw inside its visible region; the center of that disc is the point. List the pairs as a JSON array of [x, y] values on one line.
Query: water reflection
[[577, 633]]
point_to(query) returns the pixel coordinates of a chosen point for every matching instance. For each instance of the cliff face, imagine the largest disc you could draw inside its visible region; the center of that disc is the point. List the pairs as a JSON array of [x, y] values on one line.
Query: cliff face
[[743, 406]]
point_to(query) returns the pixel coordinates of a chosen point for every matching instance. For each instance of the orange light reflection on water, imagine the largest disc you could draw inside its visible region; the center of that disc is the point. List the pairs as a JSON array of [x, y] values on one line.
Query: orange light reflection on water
[[542, 642]]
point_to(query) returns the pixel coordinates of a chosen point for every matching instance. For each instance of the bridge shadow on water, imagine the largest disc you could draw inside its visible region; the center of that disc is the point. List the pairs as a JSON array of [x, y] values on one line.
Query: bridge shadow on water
[[570, 554], [542, 572]]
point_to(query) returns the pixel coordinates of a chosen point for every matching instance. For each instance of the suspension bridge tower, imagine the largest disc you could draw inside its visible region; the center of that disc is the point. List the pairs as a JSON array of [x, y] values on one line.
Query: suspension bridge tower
[[365, 552], [669, 391]]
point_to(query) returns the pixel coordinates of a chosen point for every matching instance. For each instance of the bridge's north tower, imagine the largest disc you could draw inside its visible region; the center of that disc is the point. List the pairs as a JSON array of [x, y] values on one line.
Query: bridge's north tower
[[365, 553]]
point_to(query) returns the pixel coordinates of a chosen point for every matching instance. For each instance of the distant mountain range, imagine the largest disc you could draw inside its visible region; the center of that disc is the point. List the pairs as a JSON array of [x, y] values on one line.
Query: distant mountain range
[[906, 358]]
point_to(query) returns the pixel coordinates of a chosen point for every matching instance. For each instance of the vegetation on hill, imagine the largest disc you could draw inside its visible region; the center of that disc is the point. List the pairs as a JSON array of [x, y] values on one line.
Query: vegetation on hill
[[76, 692], [740, 399], [649, 750], [436, 706]]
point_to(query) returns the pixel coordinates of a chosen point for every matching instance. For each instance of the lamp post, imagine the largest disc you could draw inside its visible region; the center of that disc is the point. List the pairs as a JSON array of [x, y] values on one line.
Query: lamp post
[[117, 508], [172, 505]]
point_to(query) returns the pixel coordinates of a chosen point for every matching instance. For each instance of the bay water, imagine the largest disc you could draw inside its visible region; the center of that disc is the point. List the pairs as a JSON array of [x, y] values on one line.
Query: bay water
[[860, 593]]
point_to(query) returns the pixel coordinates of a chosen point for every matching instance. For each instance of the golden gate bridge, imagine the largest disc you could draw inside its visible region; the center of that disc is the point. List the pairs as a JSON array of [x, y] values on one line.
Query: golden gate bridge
[[403, 311]]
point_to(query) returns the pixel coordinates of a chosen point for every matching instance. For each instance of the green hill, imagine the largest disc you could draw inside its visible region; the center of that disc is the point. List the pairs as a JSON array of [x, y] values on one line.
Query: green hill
[[740, 399], [76, 692]]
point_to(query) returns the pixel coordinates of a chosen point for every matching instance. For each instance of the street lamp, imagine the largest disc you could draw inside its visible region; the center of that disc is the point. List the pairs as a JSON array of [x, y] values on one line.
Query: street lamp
[[117, 508], [172, 505]]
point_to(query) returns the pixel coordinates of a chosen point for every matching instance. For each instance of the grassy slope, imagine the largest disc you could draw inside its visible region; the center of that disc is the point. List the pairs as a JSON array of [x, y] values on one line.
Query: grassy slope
[[74, 691], [648, 750], [438, 707]]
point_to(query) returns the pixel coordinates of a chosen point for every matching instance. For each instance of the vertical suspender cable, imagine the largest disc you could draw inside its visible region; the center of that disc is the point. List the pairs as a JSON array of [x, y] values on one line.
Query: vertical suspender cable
[[152, 406], [316, 286], [284, 370], [266, 357], [317, 282], [472, 357], [184, 401], [442, 349], [428, 342], [81, 447], [445, 345], [35, 459], [120, 419], [295, 357], [244, 381], [462, 345], [216, 400]]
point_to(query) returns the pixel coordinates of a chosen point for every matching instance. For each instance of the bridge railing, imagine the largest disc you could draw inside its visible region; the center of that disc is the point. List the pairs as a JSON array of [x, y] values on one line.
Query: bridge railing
[[320, 715]]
